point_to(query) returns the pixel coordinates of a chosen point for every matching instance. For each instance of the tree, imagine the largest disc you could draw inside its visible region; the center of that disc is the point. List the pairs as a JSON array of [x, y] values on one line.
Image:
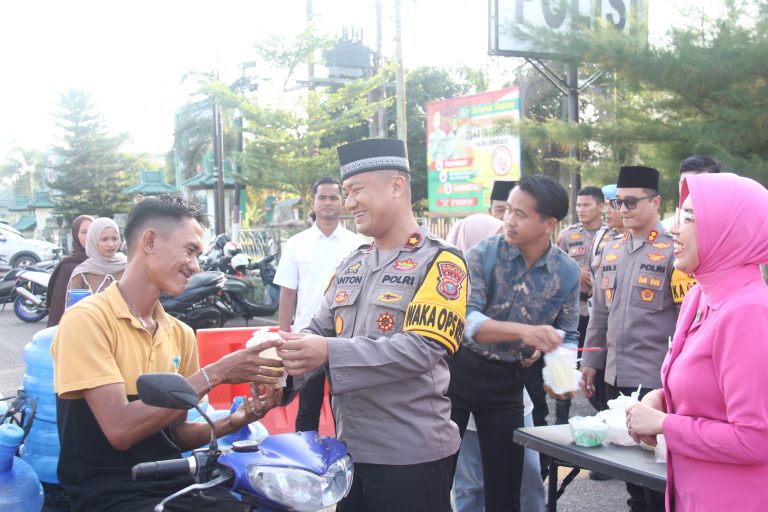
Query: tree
[[705, 91], [93, 172]]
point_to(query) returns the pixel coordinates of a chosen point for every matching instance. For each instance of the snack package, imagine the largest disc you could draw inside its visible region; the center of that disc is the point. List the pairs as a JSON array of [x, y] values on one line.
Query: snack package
[[661, 449], [588, 430], [261, 335], [560, 372]]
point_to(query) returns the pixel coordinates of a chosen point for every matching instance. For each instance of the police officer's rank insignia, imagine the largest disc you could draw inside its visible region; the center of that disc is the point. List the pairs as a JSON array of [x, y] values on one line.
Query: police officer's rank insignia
[[652, 236], [656, 257], [339, 325], [413, 241], [647, 295], [450, 279], [661, 245], [354, 268], [342, 296], [575, 236], [389, 297], [611, 257], [385, 322], [405, 265]]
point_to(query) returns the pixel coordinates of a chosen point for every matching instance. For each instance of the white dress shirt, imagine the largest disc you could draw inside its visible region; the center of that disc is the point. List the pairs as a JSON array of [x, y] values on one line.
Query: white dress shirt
[[307, 263]]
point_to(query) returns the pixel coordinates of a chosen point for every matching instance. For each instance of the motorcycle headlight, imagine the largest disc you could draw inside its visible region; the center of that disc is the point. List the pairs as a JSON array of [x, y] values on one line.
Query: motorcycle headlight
[[301, 490]]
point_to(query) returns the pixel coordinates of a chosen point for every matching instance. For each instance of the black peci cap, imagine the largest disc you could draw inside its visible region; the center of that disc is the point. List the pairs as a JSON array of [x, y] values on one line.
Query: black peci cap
[[372, 155], [637, 176], [501, 190]]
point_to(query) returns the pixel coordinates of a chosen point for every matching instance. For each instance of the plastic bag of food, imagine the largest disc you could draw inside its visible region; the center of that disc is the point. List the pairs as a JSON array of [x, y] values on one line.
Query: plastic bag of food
[[560, 372], [588, 430]]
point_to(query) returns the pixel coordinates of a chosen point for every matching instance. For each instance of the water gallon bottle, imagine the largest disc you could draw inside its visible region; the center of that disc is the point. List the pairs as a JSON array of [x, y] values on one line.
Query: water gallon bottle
[[20, 490], [41, 448]]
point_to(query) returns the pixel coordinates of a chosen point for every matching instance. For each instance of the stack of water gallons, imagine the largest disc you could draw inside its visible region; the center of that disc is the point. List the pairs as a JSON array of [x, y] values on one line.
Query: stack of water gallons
[[20, 489]]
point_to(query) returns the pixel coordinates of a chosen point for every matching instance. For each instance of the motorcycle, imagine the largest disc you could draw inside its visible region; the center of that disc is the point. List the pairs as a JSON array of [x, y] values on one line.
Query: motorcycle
[[246, 299], [298, 471], [201, 305], [31, 289]]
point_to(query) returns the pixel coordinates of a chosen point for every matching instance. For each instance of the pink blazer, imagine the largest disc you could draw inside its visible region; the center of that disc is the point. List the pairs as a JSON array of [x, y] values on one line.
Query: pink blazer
[[715, 380]]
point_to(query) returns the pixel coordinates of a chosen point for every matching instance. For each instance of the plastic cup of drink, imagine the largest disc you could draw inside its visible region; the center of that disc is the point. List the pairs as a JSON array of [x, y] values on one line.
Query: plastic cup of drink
[[265, 334], [76, 295], [561, 363]]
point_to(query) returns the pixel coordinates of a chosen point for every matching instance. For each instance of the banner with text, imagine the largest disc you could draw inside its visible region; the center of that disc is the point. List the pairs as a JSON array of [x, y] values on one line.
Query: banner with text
[[471, 142]]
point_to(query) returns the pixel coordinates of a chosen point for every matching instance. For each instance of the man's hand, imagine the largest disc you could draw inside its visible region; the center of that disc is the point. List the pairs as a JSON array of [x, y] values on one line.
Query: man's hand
[[587, 382], [528, 362], [247, 365], [263, 398], [302, 352], [586, 281], [543, 337], [552, 394]]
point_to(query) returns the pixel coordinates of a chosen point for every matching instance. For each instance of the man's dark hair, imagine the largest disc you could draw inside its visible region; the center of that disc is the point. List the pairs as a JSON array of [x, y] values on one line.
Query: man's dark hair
[[325, 180], [164, 207], [551, 197], [595, 192], [700, 164]]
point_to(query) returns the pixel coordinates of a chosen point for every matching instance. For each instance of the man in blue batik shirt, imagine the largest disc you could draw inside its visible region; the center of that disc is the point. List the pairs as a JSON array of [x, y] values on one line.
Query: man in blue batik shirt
[[524, 289]]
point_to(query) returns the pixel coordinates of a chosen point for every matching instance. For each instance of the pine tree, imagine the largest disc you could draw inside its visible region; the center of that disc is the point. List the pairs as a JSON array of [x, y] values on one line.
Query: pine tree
[[93, 172]]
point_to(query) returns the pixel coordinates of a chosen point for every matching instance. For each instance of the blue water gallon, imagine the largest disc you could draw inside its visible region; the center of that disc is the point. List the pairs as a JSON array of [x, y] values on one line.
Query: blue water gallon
[[20, 489], [41, 448]]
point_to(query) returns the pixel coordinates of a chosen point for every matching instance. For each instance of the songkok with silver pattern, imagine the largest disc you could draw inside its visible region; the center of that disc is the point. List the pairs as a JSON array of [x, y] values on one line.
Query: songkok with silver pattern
[[372, 155]]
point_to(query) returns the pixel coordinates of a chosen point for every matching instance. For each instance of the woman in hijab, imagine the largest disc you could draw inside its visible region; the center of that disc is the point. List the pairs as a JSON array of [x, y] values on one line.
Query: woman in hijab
[[57, 295], [104, 264], [713, 408]]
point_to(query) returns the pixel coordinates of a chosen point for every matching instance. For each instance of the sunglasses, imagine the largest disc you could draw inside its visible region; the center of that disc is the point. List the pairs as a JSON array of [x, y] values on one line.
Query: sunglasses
[[629, 202]]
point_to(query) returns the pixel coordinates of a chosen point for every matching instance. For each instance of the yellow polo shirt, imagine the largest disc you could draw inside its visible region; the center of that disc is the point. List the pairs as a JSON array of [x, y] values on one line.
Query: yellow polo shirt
[[100, 342]]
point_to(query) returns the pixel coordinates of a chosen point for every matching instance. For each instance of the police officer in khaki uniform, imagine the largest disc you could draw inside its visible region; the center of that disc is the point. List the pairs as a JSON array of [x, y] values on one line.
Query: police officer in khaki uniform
[[634, 306], [391, 313], [576, 241]]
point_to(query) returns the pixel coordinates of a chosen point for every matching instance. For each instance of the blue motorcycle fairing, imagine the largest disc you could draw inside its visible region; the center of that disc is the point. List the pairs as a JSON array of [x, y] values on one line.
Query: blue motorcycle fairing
[[300, 450]]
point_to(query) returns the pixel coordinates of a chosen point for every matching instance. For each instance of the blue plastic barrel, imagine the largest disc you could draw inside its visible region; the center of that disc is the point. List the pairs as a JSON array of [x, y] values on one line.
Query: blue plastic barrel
[[41, 448], [20, 489]]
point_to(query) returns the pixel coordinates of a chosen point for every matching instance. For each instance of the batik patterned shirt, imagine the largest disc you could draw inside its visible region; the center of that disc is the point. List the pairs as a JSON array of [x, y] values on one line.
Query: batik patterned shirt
[[547, 293]]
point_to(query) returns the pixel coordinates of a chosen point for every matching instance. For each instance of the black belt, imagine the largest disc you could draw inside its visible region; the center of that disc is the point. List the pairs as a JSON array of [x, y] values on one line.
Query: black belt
[[468, 357], [583, 296]]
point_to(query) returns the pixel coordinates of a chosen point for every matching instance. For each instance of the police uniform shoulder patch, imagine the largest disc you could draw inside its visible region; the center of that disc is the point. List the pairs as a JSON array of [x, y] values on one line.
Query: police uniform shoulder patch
[[330, 282], [438, 308], [339, 325], [681, 283], [413, 240]]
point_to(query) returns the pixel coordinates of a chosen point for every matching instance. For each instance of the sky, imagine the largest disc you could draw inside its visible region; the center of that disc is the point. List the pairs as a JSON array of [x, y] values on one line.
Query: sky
[[131, 56]]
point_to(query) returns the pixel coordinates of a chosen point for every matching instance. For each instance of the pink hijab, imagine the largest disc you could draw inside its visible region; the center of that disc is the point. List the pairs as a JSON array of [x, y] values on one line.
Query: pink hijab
[[473, 229], [731, 224]]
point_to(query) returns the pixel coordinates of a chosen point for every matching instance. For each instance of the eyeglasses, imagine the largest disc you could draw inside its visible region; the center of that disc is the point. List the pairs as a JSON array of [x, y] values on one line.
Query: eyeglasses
[[629, 202], [683, 217]]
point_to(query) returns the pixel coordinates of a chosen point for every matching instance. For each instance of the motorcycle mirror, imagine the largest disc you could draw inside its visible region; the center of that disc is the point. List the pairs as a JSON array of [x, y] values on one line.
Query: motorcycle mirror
[[168, 390]]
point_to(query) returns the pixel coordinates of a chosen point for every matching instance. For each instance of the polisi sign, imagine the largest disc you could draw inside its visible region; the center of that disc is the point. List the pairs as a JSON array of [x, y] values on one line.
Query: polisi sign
[[508, 17]]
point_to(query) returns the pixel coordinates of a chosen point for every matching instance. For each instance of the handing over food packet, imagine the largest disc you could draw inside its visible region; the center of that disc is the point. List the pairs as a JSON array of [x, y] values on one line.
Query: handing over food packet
[[261, 335]]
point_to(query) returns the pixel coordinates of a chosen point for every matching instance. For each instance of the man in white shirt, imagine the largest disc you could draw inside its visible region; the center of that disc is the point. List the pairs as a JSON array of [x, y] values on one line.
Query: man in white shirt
[[306, 265]]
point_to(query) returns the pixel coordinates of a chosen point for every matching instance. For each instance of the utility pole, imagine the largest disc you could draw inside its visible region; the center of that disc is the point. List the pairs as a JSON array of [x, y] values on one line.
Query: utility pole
[[378, 127], [402, 124], [238, 176], [572, 81]]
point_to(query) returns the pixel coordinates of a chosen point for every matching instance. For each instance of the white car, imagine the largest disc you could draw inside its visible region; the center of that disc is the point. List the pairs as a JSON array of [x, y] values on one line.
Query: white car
[[18, 251]]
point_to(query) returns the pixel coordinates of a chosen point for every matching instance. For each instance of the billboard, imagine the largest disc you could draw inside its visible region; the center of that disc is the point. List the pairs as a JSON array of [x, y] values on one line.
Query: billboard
[[471, 141], [508, 17]]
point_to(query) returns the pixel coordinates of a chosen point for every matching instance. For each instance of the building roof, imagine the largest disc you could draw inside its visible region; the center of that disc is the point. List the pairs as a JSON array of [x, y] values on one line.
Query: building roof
[[41, 199], [206, 179], [26, 222], [19, 204], [150, 183]]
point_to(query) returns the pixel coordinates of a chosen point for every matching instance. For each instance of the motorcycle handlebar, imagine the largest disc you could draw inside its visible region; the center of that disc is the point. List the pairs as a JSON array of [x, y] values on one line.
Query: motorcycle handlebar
[[164, 469]]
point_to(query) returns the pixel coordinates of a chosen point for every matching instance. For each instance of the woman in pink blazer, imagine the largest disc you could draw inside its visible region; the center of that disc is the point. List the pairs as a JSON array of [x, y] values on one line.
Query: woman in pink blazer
[[713, 409]]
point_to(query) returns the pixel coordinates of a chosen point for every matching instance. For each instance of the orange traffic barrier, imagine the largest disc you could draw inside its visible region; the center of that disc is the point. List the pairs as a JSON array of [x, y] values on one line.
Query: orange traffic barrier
[[213, 344]]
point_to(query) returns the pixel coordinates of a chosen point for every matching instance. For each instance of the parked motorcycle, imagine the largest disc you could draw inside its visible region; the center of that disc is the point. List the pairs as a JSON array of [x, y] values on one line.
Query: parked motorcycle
[[31, 289], [201, 305], [246, 299], [298, 471]]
